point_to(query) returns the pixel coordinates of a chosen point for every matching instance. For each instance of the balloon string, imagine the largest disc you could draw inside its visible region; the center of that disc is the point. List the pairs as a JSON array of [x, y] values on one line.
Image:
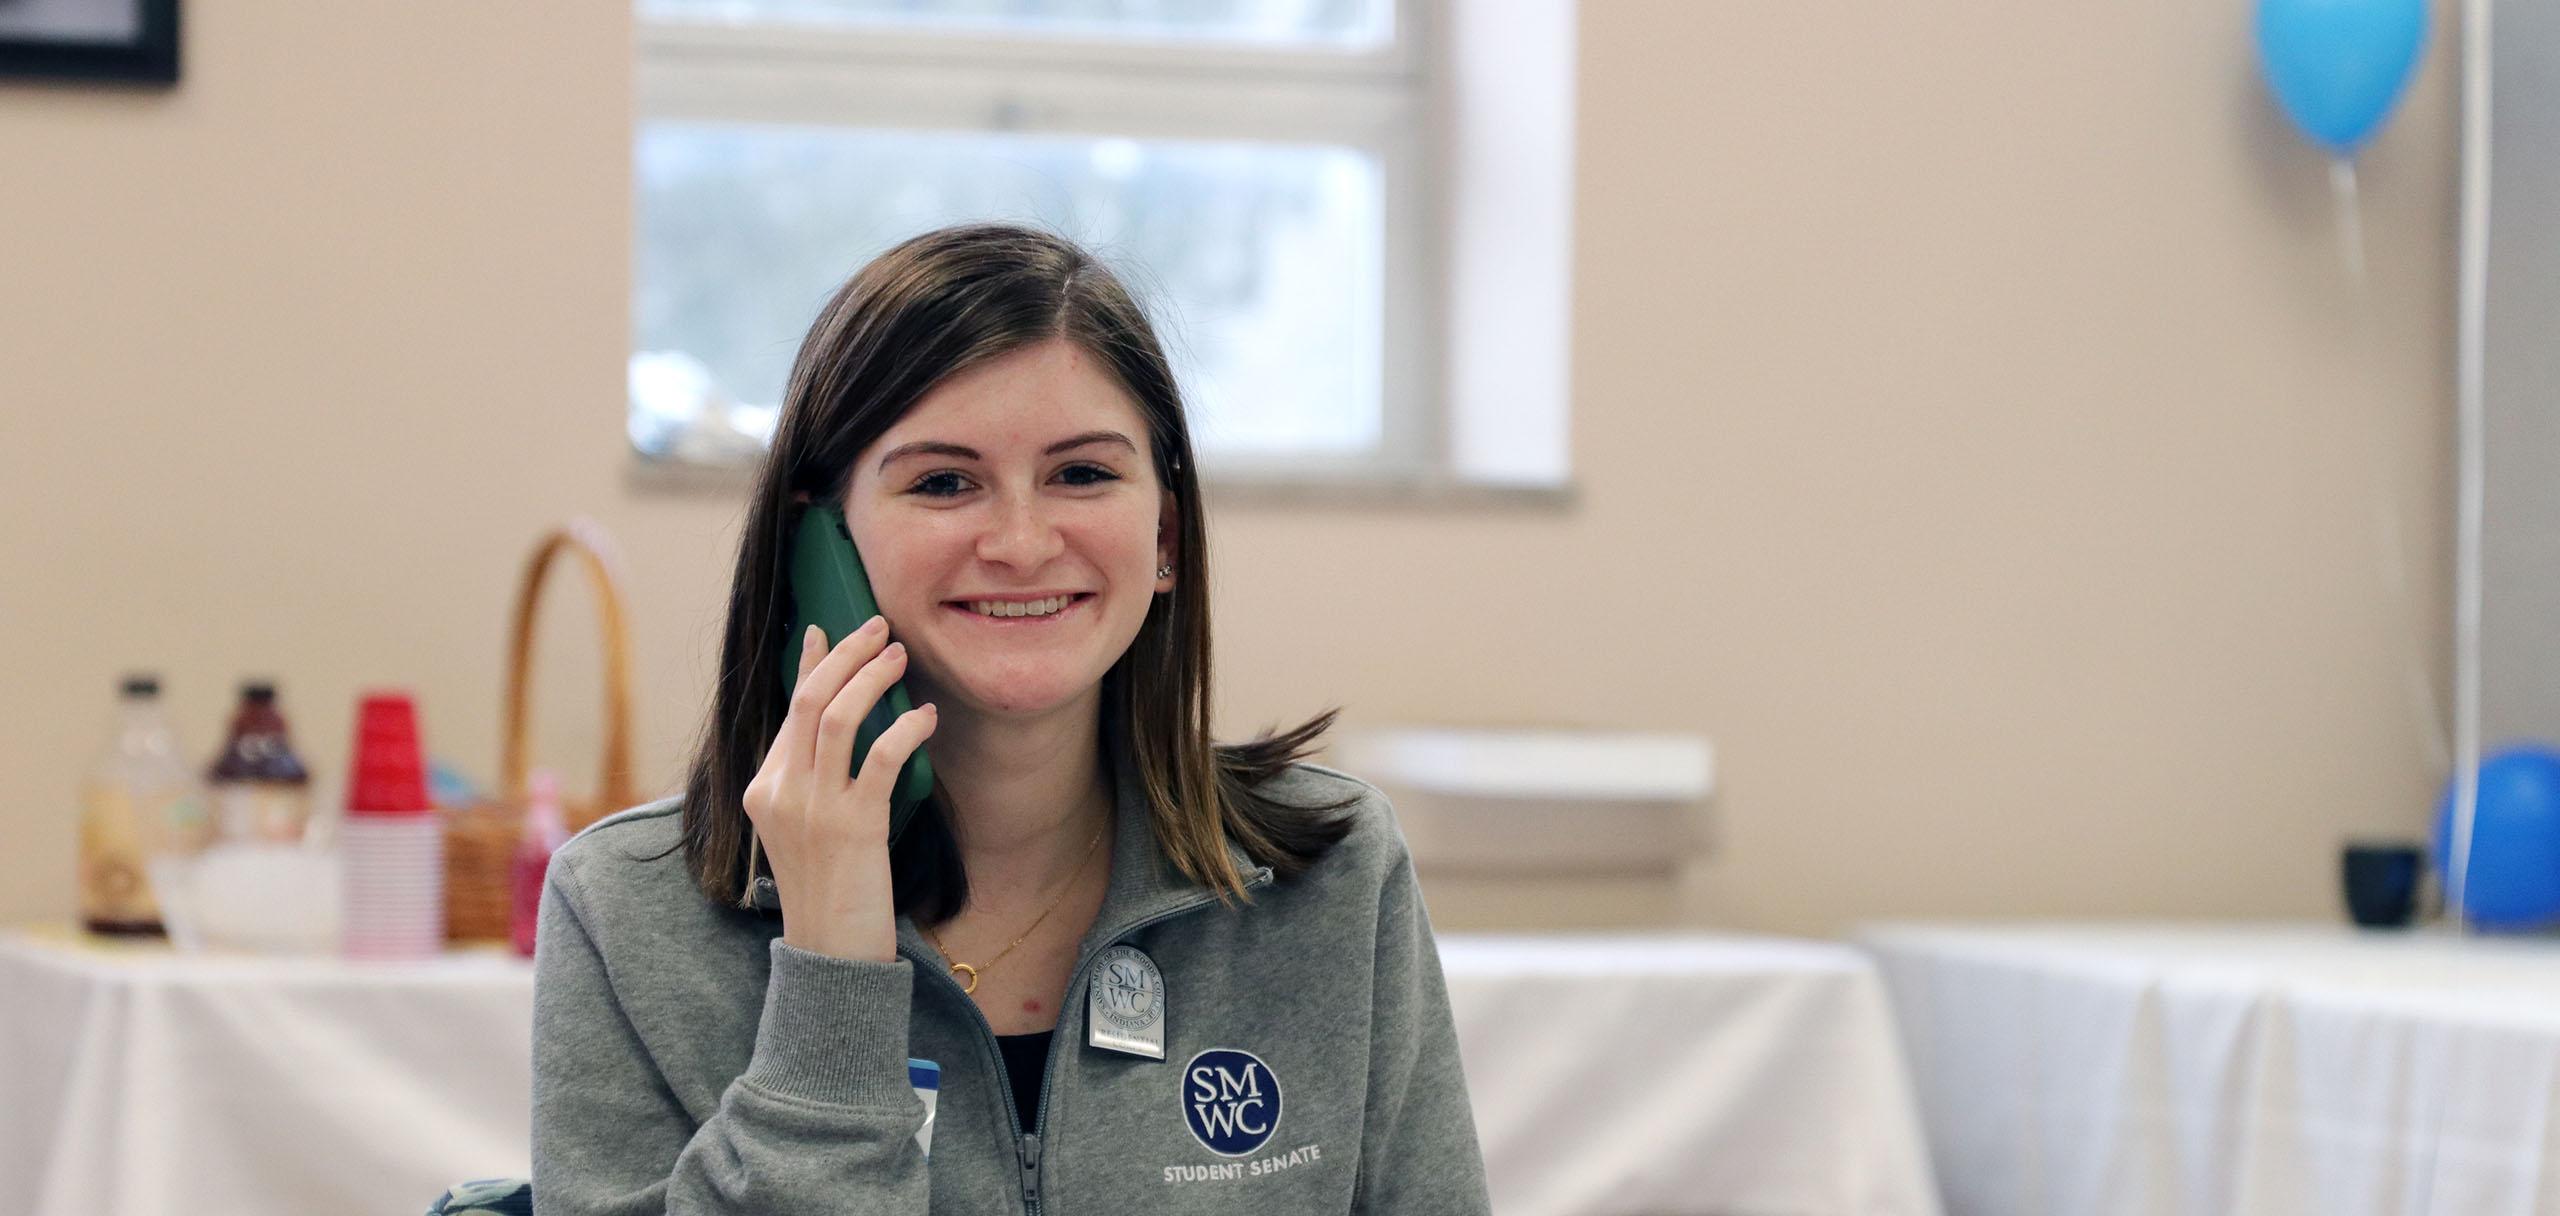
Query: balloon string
[[2342, 188], [2408, 628], [2395, 575], [2391, 537]]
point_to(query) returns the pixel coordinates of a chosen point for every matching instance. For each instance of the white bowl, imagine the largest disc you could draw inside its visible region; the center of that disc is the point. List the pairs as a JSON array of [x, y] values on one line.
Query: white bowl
[[256, 897]]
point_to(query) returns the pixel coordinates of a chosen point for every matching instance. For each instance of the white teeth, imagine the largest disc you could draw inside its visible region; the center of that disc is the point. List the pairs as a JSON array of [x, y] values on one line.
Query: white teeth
[[1031, 608]]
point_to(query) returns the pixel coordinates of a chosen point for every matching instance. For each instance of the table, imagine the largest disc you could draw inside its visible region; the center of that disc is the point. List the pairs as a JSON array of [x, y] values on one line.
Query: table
[[139, 1080], [1609, 1074], [2263, 1069], [1680, 1074]]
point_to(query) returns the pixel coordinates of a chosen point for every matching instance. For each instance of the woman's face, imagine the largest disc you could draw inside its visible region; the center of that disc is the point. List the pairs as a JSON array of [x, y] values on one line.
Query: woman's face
[[971, 499]]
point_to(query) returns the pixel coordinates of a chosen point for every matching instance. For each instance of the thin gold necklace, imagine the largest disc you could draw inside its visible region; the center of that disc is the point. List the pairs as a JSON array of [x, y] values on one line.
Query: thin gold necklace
[[958, 968]]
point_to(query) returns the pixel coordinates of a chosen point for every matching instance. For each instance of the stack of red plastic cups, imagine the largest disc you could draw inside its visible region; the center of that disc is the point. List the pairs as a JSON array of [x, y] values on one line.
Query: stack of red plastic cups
[[391, 841]]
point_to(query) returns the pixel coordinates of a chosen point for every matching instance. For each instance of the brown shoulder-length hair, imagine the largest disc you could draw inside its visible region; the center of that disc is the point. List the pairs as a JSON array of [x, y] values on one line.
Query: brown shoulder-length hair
[[929, 308]]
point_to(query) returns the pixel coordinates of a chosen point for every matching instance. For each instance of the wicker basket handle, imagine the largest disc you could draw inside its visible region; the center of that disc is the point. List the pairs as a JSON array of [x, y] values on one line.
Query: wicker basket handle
[[588, 540]]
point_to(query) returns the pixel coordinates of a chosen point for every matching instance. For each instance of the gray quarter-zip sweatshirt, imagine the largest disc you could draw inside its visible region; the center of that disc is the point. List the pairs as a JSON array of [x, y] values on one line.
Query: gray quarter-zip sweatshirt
[[685, 1059]]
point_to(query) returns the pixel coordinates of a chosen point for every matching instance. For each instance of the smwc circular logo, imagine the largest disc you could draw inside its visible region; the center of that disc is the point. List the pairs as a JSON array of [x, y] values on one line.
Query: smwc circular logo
[[1231, 1099]]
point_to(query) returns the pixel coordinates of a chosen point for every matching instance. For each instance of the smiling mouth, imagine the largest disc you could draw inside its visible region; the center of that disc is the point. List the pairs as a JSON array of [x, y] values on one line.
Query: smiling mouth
[[1071, 607]]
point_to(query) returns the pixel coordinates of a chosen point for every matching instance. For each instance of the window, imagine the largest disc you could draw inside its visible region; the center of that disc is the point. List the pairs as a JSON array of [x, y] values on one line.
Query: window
[[1255, 167]]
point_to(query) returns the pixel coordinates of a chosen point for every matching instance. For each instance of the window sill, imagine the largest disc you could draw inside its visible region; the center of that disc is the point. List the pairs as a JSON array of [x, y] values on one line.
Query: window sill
[[1247, 491]]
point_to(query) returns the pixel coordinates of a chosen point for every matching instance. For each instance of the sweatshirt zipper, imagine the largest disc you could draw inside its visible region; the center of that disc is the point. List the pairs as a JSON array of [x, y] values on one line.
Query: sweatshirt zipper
[[1027, 1147], [1030, 1150]]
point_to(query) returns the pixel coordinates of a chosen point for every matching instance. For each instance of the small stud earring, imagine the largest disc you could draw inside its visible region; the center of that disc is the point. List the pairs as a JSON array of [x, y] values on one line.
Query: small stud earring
[[1164, 572]]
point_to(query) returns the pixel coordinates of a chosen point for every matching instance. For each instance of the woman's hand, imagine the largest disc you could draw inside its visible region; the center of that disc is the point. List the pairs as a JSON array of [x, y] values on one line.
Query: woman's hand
[[825, 827]]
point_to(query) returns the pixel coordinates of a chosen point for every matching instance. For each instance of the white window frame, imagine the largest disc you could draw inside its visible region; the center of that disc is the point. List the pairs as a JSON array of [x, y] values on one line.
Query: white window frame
[[1377, 101]]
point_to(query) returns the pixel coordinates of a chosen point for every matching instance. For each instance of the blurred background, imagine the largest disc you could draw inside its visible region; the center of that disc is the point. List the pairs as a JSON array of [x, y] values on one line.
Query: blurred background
[[1961, 416], [1959, 462]]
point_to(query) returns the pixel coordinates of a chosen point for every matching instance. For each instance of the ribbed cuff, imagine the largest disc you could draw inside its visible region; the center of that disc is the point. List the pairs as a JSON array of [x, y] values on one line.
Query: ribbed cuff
[[834, 1030]]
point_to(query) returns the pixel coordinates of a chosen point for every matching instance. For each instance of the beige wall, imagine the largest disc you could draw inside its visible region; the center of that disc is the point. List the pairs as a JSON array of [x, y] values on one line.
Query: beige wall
[[1979, 441]]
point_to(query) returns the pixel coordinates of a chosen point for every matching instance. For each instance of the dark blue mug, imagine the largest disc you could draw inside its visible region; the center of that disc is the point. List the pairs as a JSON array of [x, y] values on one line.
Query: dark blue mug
[[2382, 882]]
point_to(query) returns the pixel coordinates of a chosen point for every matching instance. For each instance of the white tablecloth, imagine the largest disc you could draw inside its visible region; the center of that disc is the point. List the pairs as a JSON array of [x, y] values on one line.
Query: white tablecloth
[[2268, 1070], [1685, 1074], [134, 1080], [1659, 1075]]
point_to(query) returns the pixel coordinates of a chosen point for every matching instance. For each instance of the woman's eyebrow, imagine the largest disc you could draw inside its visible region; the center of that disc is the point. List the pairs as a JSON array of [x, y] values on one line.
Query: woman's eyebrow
[[933, 447]]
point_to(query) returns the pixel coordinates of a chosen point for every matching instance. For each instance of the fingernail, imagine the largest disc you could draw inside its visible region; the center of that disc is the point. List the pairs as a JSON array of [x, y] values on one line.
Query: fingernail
[[812, 639], [869, 625]]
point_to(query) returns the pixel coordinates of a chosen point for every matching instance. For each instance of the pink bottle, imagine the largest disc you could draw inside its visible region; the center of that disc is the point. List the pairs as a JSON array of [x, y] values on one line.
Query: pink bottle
[[544, 832]]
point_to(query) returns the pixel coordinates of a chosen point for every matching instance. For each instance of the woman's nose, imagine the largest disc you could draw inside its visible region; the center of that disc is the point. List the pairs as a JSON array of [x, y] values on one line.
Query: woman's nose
[[1020, 535]]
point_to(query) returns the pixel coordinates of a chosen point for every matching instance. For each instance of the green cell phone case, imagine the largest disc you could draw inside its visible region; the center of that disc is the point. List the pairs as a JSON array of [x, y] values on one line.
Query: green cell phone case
[[830, 590]]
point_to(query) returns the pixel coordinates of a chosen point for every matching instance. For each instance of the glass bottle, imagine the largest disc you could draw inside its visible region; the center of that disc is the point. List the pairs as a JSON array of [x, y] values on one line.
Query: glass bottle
[[141, 798], [259, 787]]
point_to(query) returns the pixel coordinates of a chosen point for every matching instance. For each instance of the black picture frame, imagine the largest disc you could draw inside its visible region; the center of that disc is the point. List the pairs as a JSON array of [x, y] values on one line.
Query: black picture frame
[[149, 57]]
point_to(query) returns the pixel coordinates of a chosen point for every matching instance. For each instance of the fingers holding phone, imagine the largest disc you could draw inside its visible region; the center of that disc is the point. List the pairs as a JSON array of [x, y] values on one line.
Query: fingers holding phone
[[840, 731], [824, 824]]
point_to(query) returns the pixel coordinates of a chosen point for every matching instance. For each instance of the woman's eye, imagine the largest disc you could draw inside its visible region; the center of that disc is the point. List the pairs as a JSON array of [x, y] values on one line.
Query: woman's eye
[[1100, 474], [940, 484]]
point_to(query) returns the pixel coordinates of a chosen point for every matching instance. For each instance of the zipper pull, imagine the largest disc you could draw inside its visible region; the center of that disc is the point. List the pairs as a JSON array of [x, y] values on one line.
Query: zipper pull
[[1030, 1171]]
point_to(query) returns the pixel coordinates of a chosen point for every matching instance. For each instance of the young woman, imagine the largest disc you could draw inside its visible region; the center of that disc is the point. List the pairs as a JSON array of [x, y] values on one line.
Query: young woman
[[1156, 973]]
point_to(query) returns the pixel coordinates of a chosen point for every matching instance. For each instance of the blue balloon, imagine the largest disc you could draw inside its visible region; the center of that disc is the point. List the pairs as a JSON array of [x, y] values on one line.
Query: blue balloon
[[2338, 66], [2514, 881]]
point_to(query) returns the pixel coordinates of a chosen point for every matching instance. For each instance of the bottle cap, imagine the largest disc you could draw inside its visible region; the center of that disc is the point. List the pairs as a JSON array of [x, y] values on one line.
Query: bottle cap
[[258, 690], [389, 775], [141, 684]]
